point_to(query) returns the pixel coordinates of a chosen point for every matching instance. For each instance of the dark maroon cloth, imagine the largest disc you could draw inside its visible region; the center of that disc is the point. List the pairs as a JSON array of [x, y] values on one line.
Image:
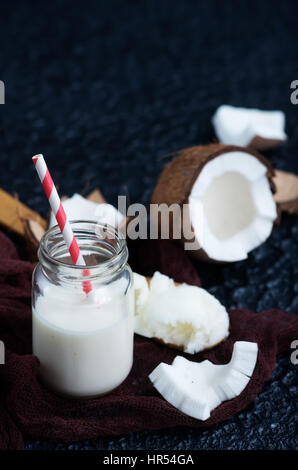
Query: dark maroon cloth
[[27, 407]]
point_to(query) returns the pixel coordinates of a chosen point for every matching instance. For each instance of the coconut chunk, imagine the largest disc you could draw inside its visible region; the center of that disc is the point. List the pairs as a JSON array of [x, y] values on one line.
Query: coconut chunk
[[180, 389], [198, 388], [141, 292], [244, 357], [79, 208], [243, 126], [183, 316]]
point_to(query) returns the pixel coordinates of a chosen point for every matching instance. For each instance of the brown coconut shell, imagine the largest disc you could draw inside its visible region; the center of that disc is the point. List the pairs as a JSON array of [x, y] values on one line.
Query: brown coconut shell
[[179, 347], [260, 143], [286, 195], [179, 175]]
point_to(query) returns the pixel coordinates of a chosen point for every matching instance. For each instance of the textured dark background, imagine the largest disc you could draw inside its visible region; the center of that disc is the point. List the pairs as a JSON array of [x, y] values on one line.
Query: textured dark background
[[104, 89]]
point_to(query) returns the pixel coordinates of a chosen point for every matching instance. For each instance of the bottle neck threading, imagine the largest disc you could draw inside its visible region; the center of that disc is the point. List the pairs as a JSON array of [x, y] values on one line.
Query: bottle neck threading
[[103, 247]]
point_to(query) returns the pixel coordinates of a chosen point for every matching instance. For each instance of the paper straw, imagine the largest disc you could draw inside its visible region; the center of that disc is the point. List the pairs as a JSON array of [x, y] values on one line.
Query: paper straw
[[59, 212]]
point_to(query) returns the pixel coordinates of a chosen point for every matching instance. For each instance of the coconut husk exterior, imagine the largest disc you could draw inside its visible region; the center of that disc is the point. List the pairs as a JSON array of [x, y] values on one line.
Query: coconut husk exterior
[[96, 196], [179, 347], [178, 177], [286, 195]]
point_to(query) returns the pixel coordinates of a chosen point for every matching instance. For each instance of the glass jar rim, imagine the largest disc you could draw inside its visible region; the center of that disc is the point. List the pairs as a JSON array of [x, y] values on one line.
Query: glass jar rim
[[115, 263]]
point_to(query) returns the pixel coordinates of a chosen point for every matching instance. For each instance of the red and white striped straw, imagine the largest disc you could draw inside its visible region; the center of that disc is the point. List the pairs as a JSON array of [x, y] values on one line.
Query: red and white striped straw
[[59, 212]]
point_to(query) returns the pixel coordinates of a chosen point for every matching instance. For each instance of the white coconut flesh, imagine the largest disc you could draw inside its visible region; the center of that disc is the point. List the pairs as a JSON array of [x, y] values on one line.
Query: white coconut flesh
[[231, 206], [198, 388], [239, 126], [79, 208], [185, 316]]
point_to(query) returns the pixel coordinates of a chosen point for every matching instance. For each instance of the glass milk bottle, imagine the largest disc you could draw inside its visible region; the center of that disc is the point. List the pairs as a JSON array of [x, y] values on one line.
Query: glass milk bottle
[[84, 342]]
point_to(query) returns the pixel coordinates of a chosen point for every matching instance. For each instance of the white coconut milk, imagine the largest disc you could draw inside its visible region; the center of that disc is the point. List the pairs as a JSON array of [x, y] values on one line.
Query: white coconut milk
[[85, 347]]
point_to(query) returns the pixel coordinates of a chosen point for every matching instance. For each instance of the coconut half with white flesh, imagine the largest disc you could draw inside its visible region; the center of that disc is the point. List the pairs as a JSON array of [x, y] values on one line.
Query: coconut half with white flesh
[[226, 195], [249, 127], [198, 388], [179, 315]]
